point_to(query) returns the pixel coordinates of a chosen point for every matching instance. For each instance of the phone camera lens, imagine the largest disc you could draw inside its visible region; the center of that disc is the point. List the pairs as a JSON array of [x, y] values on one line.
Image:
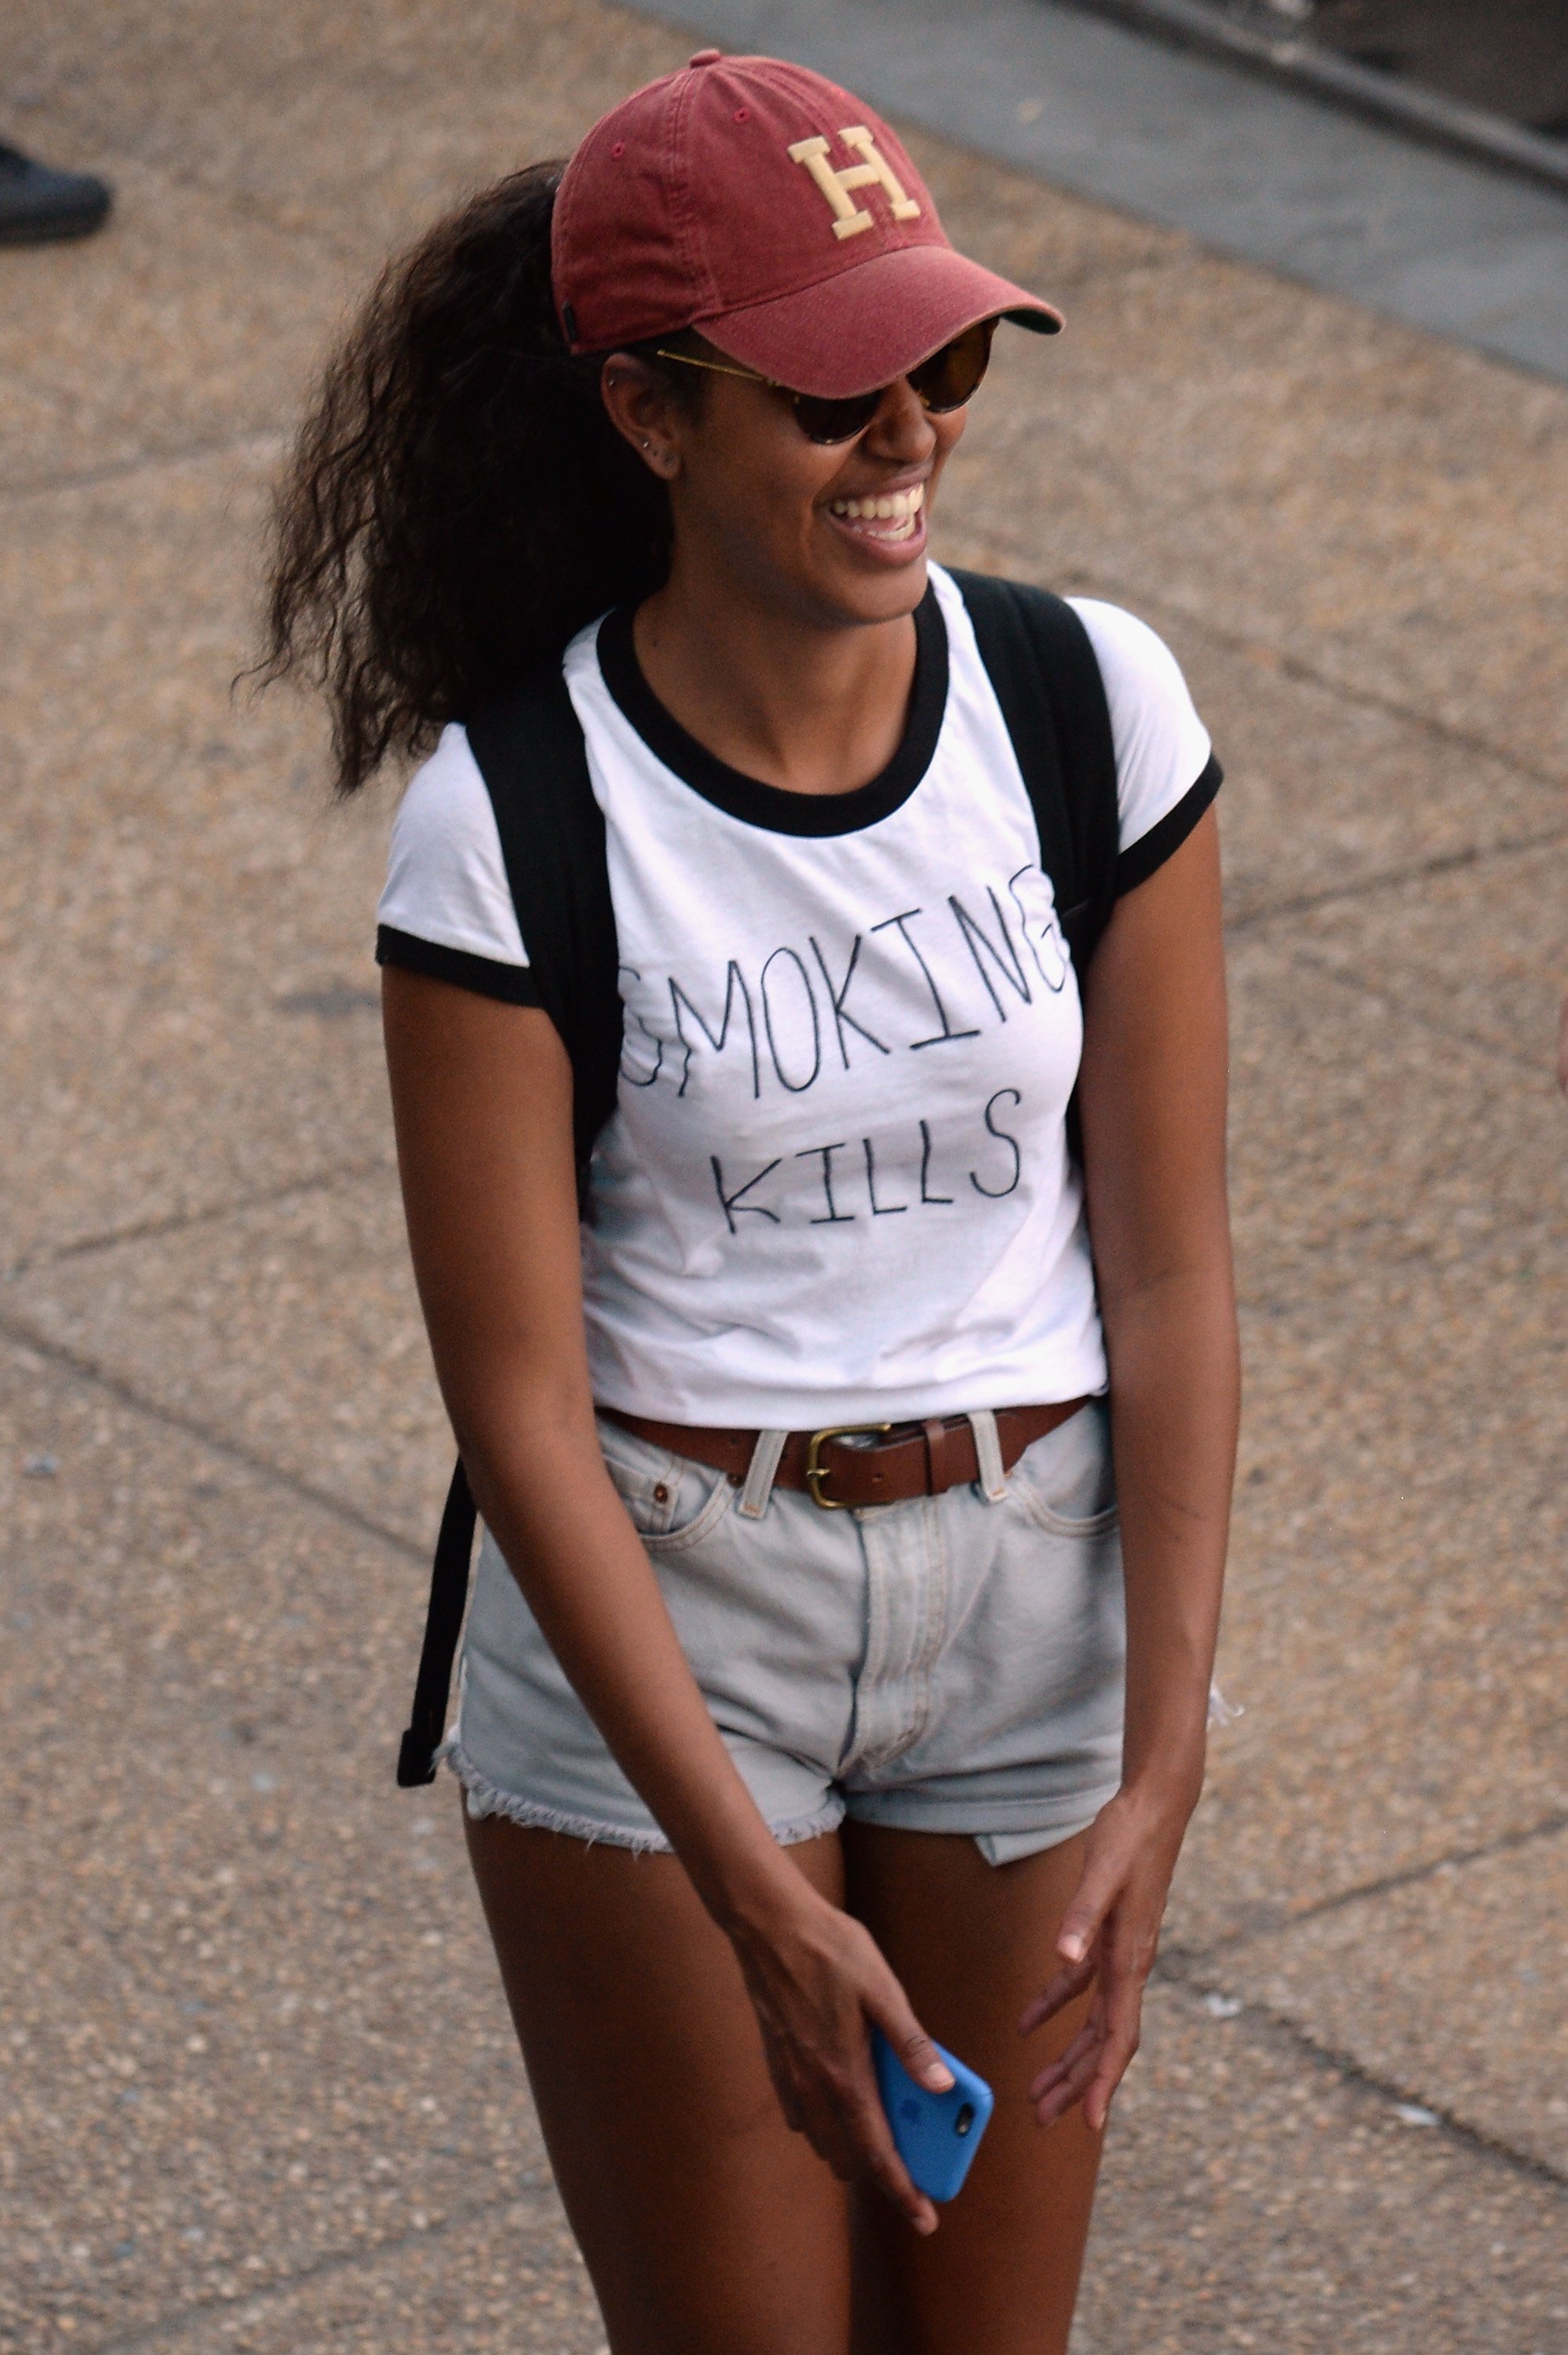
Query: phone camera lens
[[965, 2118]]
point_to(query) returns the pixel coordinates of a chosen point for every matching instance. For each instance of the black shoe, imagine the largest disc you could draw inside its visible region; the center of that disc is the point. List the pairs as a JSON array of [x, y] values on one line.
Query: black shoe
[[37, 203]]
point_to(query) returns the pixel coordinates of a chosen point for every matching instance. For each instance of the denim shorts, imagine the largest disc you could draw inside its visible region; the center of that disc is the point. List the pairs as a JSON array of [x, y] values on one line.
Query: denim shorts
[[950, 1664]]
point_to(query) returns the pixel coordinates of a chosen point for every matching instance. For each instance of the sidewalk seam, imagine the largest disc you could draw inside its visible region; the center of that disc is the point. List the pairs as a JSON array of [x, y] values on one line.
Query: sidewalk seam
[[1394, 1003], [1272, 1923], [178, 2322], [1083, 580], [56, 1353], [262, 440], [178, 1221], [111, 149], [1392, 879], [1188, 1974]]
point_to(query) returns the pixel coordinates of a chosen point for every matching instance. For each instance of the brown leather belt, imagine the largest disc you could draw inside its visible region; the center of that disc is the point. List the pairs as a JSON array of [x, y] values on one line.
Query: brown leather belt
[[861, 1463]]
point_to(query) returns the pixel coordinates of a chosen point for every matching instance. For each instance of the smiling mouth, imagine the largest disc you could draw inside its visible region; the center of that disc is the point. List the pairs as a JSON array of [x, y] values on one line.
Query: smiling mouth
[[890, 515]]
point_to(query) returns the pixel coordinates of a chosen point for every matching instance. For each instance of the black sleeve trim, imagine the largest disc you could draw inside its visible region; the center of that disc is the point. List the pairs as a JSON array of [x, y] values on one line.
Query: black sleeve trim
[[513, 984], [1140, 859]]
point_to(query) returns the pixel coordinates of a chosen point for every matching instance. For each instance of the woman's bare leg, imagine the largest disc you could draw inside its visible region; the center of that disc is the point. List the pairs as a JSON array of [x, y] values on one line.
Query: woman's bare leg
[[708, 2227], [972, 1943]]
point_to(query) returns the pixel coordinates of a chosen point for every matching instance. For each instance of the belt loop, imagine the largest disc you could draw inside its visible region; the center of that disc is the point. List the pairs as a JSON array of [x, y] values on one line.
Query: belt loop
[[988, 1455], [763, 1464]]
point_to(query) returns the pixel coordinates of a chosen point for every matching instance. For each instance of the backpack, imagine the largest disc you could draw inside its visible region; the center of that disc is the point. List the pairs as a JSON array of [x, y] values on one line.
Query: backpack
[[529, 747]]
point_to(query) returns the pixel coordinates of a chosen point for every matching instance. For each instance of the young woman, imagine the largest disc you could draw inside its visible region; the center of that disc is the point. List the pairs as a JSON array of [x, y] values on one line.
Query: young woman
[[769, 1736]]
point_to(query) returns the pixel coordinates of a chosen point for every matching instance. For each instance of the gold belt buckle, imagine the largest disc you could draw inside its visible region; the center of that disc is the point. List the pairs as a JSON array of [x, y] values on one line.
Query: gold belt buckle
[[817, 1471]]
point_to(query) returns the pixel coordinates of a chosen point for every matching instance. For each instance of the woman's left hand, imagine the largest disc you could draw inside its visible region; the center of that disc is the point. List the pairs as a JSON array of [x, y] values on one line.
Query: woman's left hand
[[1109, 1938]]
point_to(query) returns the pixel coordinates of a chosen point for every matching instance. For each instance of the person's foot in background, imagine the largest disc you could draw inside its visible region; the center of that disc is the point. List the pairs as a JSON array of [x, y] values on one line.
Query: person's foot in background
[[37, 203]]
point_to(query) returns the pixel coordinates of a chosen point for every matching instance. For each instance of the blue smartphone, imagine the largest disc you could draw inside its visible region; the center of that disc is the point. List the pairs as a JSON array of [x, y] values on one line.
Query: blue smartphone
[[937, 2134]]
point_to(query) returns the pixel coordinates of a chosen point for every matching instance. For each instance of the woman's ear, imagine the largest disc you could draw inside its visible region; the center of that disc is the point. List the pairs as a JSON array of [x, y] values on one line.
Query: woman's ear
[[640, 407]]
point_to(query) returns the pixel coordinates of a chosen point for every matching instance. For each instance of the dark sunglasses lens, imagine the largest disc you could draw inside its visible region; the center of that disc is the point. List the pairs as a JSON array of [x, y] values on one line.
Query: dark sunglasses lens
[[834, 420], [953, 374], [945, 382]]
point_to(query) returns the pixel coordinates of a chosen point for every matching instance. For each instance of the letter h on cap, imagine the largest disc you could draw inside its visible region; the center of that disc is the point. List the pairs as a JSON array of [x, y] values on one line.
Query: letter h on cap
[[850, 218]]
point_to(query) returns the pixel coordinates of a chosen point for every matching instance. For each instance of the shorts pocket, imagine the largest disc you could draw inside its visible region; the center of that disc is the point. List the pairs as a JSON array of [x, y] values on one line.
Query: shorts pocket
[[1064, 1481], [671, 1501]]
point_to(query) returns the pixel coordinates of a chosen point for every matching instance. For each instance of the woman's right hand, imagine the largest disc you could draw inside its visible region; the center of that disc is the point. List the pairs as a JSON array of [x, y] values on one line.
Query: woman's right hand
[[819, 1983]]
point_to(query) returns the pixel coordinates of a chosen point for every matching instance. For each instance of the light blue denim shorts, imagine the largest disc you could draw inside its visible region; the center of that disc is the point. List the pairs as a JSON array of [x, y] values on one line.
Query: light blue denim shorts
[[950, 1664]]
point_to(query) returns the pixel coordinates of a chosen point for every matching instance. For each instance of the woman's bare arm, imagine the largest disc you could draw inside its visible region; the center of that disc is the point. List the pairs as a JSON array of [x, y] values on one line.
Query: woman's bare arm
[[1154, 1098], [481, 1096]]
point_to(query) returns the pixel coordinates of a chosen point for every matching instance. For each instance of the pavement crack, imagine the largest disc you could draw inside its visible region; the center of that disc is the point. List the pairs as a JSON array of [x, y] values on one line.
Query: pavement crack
[[264, 442], [1413, 1875], [1263, 1922], [22, 1336], [1419, 870], [180, 1221], [252, 211], [1190, 1974], [1307, 673], [179, 2321], [1452, 1033], [1083, 580]]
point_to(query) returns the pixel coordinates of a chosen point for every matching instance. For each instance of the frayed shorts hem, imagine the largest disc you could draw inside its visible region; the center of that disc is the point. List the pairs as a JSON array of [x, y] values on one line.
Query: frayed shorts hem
[[1003, 1844], [484, 1798]]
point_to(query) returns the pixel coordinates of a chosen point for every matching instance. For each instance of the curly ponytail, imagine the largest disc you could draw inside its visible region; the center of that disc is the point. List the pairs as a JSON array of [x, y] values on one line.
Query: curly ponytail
[[458, 503]]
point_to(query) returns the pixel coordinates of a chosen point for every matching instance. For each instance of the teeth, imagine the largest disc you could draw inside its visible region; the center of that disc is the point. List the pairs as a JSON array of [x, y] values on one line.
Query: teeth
[[893, 506]]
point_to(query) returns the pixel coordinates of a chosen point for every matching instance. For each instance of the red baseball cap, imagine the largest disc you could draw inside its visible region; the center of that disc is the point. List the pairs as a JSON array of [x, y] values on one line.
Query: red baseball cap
[[769, 208]]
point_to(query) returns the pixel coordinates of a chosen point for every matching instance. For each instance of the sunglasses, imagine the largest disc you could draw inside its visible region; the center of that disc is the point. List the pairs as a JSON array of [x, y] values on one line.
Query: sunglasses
[[941, 384]]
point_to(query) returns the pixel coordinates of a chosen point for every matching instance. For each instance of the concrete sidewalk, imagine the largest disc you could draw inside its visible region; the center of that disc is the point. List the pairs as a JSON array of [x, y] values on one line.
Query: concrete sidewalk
[[262, 2093]]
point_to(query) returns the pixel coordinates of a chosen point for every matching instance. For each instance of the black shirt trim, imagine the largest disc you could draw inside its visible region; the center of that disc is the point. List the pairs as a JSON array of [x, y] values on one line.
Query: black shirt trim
[[773, 806], [513, 984], [1150, 851]]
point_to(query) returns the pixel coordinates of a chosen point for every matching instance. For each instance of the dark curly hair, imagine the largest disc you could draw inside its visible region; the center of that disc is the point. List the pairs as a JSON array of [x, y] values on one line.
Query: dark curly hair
[[458, 503]]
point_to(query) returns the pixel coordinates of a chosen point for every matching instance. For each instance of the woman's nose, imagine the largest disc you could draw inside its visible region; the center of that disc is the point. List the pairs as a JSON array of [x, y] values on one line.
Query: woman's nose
[[901, 428]]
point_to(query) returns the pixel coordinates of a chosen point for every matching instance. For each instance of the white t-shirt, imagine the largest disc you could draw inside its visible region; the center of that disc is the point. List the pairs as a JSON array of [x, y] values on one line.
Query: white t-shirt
[[836, 1185]]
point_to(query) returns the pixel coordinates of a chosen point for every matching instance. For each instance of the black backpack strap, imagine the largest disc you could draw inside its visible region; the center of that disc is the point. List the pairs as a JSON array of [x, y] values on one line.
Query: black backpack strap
[[1047, 680], [443, 1624], [529, 747]]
